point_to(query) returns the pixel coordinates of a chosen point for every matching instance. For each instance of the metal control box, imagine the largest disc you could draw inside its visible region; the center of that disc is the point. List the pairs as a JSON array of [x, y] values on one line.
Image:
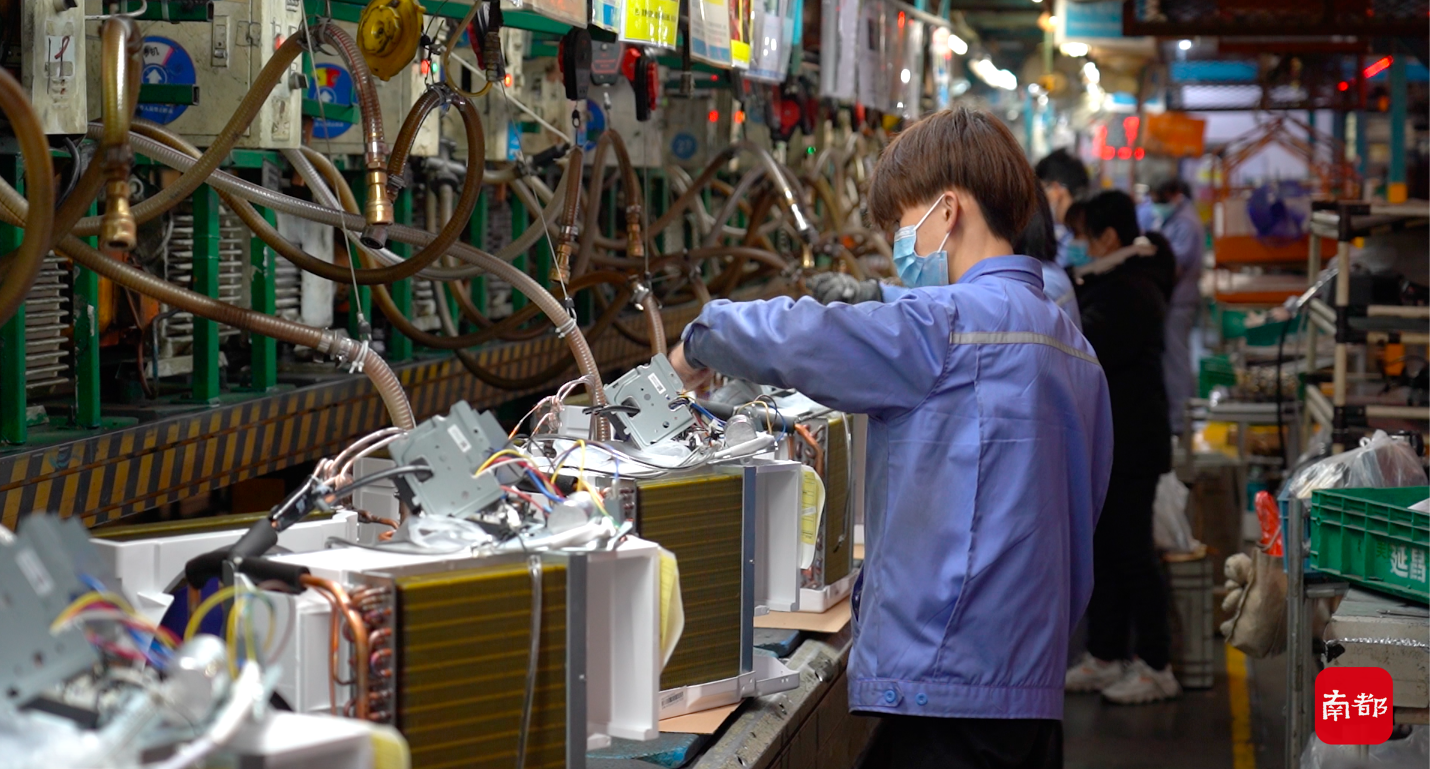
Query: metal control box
[[222, 57], [52, 70], [455, 447], [332, 83], [641, 402]]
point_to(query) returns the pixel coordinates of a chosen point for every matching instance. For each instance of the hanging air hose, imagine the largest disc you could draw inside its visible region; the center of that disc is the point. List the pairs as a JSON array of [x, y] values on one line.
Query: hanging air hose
[[19, 268]]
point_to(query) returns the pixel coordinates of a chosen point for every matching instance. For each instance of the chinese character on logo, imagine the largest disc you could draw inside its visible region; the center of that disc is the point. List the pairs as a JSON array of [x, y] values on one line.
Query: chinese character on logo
[[1334, 706], [1367, 705], [1417, 566], [1354, 706]]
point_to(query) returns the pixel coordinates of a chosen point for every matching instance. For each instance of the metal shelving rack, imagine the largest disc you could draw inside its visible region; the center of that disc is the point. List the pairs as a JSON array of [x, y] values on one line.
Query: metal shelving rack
[[1352, 325]]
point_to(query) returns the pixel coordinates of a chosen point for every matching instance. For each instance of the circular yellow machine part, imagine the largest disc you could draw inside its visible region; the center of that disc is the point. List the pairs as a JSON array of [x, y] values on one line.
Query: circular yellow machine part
[[388, 34]]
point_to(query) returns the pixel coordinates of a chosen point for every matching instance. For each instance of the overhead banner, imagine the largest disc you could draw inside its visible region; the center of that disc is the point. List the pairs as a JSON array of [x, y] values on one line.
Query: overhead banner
[[773, 33], [839, 49], [650, 22], [710, 31], [740, 50], [873, 81]]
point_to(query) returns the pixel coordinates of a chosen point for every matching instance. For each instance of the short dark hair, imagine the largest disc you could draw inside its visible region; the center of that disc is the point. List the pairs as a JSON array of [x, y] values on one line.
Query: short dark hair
[[1060, 166], [1169, 187], [962, 149], [1073, 217], [1039, 240], [1115, 209]]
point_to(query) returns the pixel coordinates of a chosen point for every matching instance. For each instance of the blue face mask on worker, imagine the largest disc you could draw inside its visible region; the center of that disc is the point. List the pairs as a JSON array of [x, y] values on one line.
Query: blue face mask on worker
[[1164, 211], [920, 271], [1076, 253]]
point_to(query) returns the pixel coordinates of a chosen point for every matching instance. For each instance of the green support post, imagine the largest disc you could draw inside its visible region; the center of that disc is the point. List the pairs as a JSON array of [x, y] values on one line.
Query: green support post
[[399, 346], [1395, 188], [477, 232], [205, 346], [518, 226], [264, 364], [13, 428], [86, 342], [359, 306]]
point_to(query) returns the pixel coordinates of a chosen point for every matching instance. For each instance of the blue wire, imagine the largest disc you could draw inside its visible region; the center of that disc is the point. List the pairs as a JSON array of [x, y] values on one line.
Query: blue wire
[[153, 646]]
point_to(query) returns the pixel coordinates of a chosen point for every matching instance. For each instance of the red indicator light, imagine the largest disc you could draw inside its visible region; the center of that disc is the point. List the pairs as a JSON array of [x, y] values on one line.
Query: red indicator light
[[507, 81], [1378, 67], [714, 116], [1124, 153], [739, 116], [1108, 153], [1139, 154], [1343, 86]]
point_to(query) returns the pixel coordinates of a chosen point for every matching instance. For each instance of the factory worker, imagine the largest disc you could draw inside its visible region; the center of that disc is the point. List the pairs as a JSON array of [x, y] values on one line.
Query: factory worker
[[1064, 179], [1183, 227], [1038, 240], [990, 444], [1123, 293]]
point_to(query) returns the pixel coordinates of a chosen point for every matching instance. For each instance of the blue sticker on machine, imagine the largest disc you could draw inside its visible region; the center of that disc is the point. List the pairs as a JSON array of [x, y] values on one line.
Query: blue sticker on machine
[[331, 85], [165, 63], [595, 125], [683, 146]]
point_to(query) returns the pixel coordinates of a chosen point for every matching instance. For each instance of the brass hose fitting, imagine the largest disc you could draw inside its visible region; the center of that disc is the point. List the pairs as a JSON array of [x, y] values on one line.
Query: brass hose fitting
[[118, 231], [378, 211]]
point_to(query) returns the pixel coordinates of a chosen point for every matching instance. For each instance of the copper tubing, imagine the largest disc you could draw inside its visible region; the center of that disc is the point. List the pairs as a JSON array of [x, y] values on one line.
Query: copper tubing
[[655, 324], [556, 369], [338, 596], [21, 266], [121, 47], [402, 146], [569, 229], [378, 211], [327, 342], [471, 183]]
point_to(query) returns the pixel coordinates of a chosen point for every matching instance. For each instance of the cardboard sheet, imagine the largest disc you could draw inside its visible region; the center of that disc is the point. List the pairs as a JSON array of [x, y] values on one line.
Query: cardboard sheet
[[832, 620], [703, 722]]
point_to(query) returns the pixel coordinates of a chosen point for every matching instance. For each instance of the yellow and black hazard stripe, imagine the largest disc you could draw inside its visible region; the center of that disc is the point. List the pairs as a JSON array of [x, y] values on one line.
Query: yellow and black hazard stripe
[[109, 476]]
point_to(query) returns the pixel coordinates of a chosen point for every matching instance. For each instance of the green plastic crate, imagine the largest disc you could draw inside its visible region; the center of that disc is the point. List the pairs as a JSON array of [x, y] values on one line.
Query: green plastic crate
[[1214, 371], [1373, 538]]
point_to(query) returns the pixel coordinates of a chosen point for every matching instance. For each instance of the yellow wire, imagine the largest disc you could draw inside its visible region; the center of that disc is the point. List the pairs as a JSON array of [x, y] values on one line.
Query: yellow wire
[[88, 598], [208, 604], [498, 455]]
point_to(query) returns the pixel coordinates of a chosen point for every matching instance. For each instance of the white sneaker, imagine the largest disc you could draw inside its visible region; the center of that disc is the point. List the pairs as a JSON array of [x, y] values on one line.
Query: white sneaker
[[1093, 675], [1141, 684]]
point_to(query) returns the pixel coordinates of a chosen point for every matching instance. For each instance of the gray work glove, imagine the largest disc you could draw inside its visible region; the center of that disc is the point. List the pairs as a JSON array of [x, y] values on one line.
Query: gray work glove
[[829, 287]]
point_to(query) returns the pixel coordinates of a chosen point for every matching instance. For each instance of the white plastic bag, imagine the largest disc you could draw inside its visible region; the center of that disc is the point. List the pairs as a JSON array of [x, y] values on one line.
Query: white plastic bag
[[1170, 530], [1380, 462], [1412, 752]]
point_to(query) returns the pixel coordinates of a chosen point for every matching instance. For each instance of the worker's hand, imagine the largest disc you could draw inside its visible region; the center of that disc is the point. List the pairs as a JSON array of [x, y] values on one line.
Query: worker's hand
[[827, 287], [693, 378]]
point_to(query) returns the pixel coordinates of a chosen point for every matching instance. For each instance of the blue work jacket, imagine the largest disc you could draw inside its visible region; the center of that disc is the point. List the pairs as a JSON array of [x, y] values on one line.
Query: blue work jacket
[[1056, 284], [1188, 236], [990, 447]]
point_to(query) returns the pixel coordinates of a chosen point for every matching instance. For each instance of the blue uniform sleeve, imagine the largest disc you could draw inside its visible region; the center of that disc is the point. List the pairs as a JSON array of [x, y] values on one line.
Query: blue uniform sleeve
[[891, 293], [869, 358], [1186, 239]]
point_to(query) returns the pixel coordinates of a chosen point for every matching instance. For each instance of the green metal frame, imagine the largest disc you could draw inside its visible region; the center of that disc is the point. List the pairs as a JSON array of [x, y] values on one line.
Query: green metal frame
[[87, 413], [262, 292], [399, 346], [205, 277], [13, 403], [168, 93]]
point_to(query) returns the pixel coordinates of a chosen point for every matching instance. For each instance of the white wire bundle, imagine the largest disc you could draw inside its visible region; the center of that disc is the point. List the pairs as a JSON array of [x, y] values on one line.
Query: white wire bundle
[[440, 533]]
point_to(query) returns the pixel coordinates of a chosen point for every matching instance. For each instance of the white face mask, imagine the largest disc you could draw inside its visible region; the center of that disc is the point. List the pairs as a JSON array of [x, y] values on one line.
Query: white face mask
[[920, 271]]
